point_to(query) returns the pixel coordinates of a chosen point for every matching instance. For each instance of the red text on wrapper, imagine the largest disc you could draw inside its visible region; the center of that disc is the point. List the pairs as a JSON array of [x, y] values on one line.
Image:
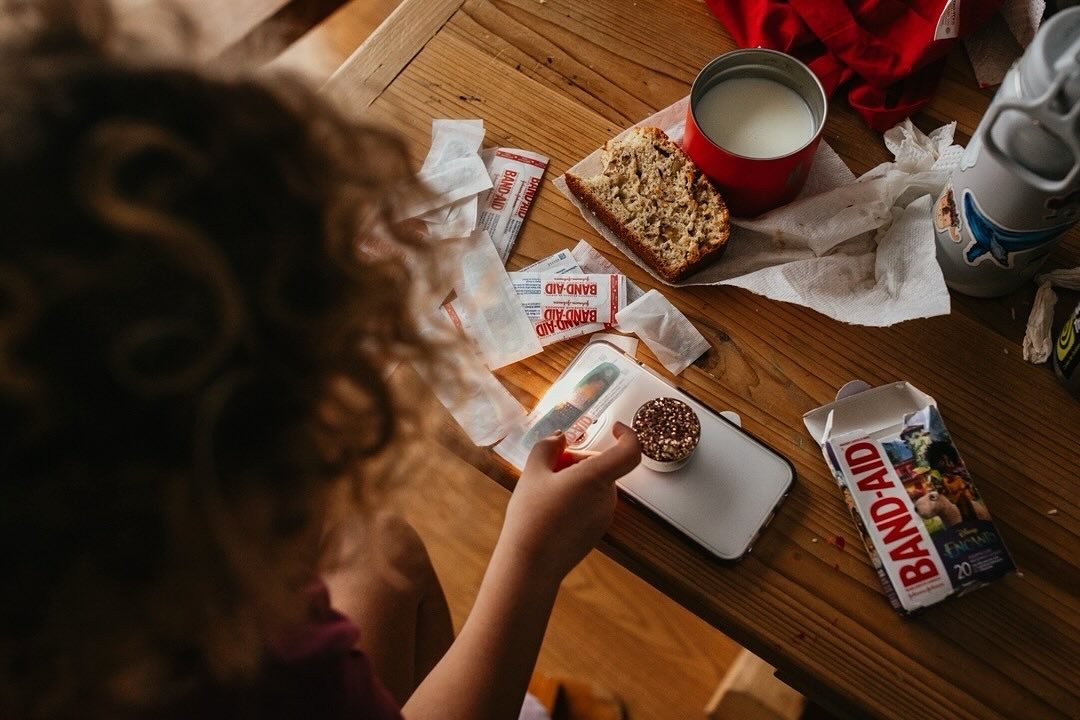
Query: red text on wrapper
[[562, 305], [570, 317], [502, 190], [530, 193], [907, 552], [559, 319], [571, 288]]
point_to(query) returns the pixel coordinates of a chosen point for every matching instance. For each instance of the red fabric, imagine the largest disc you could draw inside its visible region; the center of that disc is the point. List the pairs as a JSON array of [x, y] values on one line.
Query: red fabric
[[880, 53]]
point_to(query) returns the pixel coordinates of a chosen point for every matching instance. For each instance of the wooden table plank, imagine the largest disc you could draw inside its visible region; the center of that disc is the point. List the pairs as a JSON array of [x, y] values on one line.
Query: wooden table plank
[[381, 57], [814, 610]]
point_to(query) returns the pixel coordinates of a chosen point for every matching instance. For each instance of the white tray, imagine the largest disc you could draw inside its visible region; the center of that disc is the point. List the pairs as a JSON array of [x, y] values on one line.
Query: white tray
[[728, 491]]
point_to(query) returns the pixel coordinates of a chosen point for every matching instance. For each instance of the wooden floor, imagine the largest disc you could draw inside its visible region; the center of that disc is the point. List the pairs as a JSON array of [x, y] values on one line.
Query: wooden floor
[[609, 627]]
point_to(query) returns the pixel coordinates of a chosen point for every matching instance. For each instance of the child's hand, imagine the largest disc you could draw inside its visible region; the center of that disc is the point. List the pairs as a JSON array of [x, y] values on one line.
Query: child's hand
[[564, 502]]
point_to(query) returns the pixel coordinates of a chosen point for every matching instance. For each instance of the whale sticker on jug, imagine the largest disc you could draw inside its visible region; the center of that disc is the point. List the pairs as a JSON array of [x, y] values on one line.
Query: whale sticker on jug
[[1017, 188]]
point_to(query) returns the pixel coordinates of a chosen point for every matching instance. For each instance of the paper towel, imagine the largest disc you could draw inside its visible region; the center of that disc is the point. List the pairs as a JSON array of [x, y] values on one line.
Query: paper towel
[[993, 48]]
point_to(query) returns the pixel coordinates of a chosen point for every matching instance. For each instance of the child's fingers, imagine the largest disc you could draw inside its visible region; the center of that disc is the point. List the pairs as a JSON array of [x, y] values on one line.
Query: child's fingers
[[610, 465], [545, 454], [571, 457]]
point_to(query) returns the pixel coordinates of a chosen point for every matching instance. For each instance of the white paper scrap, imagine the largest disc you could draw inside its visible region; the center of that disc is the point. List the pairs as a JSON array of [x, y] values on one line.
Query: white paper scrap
[[668, 333], [449, 171], [456, 220], [447, 183], [453, 139], [821, 250], [500, 328], [484, 409]]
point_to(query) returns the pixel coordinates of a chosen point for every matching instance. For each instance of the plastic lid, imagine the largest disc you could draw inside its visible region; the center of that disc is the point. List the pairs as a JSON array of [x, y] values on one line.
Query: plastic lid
[[1054, 48]]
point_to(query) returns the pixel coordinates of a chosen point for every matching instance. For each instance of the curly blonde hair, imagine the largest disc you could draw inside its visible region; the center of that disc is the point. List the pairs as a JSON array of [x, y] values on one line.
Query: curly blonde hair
[[180, 290]]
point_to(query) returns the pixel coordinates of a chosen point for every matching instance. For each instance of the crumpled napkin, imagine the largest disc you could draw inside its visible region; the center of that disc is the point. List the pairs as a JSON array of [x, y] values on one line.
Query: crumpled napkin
[[860, 250], [480, 404], [993, 48], [1037, 338], [673, 339]]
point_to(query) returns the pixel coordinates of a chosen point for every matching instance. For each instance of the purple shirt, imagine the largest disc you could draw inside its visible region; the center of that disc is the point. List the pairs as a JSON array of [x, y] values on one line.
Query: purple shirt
[[314, 673]]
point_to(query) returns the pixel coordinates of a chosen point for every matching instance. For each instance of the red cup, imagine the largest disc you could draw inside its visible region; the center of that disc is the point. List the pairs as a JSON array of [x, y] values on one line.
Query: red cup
[[752, 185]]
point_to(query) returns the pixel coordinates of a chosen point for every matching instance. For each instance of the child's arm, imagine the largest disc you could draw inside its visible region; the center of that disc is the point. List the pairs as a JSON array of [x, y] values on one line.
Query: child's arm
[[553, 520]]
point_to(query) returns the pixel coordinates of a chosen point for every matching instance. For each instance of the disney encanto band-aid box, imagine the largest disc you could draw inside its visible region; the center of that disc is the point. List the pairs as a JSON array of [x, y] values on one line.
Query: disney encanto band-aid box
[[929, 533]]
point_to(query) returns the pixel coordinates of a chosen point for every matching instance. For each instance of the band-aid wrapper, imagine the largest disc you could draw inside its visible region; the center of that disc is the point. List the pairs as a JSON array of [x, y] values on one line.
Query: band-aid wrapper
[[515, 180], [498, 325], [588, 303], [561, 263], [564, 306]]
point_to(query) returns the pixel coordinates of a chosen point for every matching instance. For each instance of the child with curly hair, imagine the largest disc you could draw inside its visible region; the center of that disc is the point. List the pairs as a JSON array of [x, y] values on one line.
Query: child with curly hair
[[192, 361]]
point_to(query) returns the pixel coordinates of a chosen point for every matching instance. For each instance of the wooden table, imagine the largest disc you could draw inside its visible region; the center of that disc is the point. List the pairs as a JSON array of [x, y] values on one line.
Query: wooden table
[[561, 77]]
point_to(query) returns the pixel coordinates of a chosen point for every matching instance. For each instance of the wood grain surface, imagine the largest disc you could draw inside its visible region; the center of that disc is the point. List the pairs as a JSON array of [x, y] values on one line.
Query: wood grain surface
[[561, 77], [386, 51]]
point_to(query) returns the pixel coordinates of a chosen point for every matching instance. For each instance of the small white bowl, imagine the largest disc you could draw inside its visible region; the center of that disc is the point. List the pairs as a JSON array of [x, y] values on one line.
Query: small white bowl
[[668, 429]]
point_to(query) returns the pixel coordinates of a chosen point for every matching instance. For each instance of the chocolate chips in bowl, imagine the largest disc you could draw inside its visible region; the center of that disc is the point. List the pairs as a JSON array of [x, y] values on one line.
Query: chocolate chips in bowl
[[668, 430]]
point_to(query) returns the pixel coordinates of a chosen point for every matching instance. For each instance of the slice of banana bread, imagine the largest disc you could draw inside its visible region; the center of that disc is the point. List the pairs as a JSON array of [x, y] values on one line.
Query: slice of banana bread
[[653, 197]]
